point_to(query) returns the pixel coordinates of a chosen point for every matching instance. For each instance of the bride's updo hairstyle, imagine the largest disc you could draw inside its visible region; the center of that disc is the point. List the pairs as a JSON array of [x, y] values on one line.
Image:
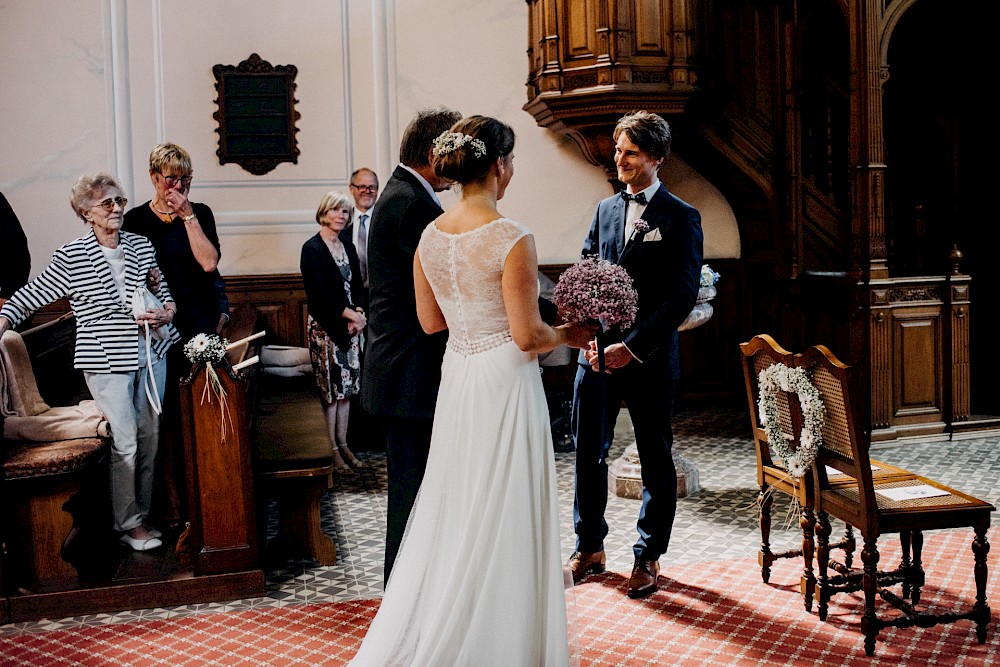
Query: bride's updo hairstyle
[[464, 153]]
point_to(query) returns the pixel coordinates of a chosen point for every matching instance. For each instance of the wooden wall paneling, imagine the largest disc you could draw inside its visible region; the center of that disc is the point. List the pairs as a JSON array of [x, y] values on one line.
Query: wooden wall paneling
[[917, 390], [711, 370], [280, 298], [579, 28]]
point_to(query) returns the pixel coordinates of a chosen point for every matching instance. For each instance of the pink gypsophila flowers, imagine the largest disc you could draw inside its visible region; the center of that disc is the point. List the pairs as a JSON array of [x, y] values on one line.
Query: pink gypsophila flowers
[[596, 289]]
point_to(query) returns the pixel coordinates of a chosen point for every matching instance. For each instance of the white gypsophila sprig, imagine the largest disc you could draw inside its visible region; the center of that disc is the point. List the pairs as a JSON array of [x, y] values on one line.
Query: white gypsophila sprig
[[780, 377], [447, 142]]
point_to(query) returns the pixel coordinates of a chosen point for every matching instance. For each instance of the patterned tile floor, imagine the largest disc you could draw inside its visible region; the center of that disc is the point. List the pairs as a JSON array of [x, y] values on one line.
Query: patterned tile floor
[[717, 523]]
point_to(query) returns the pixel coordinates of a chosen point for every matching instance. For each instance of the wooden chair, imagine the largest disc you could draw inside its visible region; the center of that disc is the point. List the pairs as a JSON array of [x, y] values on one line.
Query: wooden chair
[[864, 503], [760, 353]]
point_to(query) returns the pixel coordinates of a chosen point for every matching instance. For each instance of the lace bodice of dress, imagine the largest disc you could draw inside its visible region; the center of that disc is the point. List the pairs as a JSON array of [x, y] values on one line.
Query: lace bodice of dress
[[465, 270]]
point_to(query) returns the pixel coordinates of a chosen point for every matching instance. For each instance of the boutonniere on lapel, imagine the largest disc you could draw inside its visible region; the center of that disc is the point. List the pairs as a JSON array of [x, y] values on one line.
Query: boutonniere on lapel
[[644, 232]]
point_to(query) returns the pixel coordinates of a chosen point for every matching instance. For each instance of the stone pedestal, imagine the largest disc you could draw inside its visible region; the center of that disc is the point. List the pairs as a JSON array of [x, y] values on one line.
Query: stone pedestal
[[625, 472], [625, 475]]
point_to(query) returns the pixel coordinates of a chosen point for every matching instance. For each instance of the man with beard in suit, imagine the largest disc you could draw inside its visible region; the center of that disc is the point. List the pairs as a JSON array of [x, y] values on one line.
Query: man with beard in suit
[[657, 239], [402, 364]]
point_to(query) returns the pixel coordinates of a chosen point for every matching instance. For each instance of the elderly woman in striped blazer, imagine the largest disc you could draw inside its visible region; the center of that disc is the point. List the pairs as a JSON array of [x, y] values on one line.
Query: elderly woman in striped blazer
[[99, 273]]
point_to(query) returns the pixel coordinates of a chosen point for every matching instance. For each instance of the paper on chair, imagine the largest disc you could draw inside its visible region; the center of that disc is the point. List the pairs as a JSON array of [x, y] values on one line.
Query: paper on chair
[[831, 471], [912, 492]]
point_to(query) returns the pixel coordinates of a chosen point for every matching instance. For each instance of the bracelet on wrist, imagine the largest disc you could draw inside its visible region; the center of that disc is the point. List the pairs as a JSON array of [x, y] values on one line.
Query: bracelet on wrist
[[189, 218]]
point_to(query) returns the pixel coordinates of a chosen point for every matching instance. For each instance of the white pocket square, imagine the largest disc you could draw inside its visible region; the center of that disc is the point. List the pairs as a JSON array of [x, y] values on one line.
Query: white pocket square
[[653, 235]]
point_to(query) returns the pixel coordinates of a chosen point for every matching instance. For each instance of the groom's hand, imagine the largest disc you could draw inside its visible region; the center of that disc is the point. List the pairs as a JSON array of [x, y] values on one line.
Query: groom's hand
[[615, 356]]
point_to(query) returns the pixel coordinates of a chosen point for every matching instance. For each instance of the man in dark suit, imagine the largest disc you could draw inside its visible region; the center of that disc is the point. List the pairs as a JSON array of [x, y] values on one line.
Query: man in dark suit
[[16, 263], [364, 430], [402, 364], [364, 192], [663, 255]]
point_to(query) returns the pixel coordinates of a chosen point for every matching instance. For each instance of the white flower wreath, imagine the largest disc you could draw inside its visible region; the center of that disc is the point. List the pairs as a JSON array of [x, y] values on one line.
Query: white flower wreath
[[792, 380]]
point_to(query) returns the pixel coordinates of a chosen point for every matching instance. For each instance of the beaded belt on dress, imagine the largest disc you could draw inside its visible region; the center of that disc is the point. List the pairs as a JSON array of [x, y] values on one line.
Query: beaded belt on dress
[[469, 347]]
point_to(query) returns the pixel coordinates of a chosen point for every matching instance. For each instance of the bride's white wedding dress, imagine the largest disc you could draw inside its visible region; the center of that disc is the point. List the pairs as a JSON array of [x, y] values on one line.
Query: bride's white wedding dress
[[478, 579]]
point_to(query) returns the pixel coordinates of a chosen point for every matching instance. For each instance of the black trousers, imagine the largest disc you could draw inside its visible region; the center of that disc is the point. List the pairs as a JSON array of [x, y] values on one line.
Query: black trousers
[[407, 443], [650, 402]]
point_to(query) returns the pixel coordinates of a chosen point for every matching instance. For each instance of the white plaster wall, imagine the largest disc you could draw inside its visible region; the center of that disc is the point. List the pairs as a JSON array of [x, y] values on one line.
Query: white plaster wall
[[94, 84]]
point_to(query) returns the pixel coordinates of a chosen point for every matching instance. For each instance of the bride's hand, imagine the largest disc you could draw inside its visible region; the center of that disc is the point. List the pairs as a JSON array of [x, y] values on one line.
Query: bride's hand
[[579, 334]]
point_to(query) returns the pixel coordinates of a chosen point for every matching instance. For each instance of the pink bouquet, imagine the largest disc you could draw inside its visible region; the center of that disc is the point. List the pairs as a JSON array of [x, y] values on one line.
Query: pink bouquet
[[596, 289]]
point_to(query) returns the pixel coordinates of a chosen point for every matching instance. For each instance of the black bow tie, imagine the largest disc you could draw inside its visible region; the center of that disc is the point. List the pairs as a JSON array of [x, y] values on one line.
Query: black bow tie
[[639, 198]]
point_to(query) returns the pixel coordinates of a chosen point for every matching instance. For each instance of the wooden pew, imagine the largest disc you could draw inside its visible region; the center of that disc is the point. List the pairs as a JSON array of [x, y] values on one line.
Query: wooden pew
[[292, 456], [158, 578], [294, 467], [222, 536], [38, 479]]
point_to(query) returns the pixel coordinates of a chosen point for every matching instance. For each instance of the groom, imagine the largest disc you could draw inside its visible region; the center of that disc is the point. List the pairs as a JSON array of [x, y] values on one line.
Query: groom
[[663, 257]]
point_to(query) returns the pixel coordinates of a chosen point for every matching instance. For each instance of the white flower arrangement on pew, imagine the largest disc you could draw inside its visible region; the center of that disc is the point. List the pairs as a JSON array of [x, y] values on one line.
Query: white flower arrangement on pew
[[210, 349], [780, 377]]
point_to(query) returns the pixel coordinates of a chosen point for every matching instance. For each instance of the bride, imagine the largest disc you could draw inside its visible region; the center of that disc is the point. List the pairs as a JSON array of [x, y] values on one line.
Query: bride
[[478, 580]]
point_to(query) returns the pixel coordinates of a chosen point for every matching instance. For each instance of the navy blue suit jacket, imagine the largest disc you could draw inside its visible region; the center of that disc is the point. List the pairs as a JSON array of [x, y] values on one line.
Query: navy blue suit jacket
[[666, 273]]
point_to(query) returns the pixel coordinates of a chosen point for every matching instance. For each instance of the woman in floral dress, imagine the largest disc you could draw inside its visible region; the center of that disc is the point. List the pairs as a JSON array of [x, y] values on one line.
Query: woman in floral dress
[[332, 277]]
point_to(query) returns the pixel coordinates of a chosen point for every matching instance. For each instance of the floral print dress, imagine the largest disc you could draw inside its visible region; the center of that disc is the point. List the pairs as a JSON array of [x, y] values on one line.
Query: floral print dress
[[337, 371]]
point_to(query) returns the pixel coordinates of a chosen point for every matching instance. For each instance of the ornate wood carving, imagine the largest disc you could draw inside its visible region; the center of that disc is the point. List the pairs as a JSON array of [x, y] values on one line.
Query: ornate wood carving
[[592, 61], [256, 114]]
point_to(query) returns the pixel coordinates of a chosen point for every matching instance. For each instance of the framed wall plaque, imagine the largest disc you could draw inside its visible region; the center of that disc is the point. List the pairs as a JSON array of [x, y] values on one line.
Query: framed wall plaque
[[256, 114]]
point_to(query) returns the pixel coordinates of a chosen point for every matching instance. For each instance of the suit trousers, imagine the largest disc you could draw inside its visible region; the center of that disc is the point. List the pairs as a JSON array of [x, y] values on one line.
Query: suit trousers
[[407, 445], [134, 431], [650, 403]]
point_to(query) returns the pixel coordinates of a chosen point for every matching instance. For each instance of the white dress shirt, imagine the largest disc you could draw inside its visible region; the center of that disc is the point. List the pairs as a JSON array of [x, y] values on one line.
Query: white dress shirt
[[424, 182], [635, 209]]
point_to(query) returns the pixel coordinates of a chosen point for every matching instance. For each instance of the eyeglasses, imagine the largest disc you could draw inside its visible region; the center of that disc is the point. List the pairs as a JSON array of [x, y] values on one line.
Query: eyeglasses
[[109, 203], [171, 181], [365, 188]]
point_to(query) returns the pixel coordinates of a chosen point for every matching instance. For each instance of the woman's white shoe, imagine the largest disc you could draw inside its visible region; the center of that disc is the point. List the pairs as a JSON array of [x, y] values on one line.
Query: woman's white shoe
[[140, 545]]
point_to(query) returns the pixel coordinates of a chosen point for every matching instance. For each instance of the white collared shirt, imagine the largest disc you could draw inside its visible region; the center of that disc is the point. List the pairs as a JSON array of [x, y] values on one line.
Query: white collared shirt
[[425, 183], [635, 209]]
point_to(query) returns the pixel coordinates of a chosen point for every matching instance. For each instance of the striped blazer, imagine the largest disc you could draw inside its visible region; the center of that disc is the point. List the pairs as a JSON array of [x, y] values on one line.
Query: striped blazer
[[106, 331]]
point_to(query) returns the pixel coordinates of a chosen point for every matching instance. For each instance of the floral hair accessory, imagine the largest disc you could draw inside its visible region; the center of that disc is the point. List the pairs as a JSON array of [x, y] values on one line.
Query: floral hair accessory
[[452, 141], [596, 289]]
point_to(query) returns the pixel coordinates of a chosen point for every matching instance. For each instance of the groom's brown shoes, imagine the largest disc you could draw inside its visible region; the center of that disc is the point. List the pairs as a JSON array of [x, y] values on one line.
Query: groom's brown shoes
[[581, 564], [643, 579]]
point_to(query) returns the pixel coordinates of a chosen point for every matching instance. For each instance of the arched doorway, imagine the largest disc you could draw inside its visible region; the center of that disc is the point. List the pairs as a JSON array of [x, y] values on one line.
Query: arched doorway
[[940, 130]]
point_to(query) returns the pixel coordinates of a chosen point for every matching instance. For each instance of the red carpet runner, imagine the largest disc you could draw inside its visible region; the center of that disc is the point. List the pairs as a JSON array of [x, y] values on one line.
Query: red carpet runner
[[707, 614]]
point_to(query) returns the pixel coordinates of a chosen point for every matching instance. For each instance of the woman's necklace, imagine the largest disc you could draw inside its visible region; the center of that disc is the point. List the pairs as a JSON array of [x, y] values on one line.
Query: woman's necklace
[[168, 216]]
